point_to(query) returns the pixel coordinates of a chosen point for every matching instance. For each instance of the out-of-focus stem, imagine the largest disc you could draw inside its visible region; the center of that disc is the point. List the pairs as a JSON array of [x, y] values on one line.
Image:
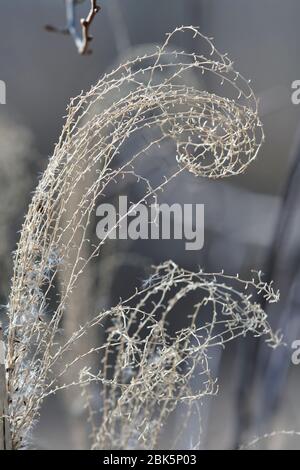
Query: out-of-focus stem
[[5, 437]]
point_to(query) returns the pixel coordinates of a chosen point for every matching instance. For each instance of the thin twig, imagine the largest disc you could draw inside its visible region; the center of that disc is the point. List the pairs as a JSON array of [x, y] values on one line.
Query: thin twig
[[81, 40]]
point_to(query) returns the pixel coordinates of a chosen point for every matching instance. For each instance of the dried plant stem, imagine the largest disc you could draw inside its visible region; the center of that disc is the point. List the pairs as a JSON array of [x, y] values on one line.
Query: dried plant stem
[[269, 436], [5, 437]]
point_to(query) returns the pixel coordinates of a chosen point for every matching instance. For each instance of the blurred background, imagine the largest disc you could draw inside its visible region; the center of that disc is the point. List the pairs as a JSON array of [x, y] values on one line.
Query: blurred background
[[251, 221]]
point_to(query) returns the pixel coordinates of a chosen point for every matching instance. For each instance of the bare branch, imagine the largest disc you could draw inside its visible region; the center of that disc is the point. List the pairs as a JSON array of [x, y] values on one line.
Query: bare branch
[[81, 39]]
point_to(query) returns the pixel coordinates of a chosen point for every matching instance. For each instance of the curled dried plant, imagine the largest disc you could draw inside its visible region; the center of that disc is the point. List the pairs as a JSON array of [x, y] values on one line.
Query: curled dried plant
[[147, 371], [213, 136]]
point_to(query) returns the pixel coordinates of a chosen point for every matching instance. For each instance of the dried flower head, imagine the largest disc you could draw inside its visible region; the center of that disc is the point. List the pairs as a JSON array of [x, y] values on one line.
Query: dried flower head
[[212, 136]]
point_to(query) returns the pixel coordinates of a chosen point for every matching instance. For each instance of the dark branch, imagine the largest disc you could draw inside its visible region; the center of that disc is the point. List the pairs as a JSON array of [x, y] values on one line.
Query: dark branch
[[81, 38]]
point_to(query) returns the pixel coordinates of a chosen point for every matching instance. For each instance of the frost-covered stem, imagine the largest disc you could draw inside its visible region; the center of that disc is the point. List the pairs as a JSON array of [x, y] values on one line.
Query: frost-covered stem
[[5, 438]]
